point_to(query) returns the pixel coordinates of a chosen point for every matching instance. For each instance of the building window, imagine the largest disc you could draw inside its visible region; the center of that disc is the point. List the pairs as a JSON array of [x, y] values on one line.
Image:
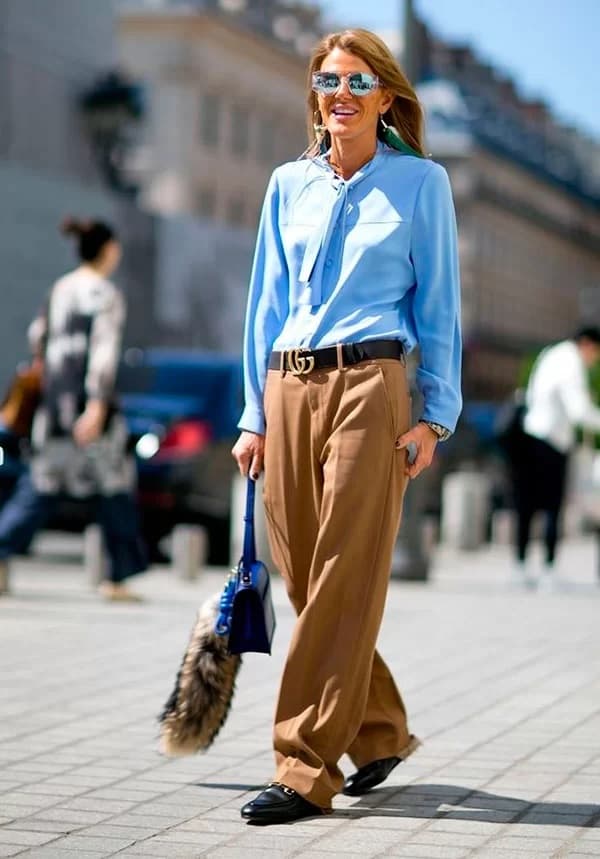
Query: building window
[[266, 141], [290, 146], [240, 130], [210, 119], [235, 211], [206, 202], [255, 219]]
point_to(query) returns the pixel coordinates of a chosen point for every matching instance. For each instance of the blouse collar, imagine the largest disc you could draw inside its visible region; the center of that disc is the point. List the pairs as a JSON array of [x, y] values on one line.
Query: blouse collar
[[323, 160]]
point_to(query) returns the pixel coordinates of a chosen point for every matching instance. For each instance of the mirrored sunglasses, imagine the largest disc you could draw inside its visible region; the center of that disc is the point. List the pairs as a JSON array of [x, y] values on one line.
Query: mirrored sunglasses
[[359, 83]]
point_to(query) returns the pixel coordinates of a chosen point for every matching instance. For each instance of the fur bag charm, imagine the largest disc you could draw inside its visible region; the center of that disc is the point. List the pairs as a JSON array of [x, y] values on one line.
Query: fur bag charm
[[238, 620], [198, 705]]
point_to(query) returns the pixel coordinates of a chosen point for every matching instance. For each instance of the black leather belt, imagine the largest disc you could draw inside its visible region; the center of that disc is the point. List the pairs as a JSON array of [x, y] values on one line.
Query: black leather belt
[[300, 361]]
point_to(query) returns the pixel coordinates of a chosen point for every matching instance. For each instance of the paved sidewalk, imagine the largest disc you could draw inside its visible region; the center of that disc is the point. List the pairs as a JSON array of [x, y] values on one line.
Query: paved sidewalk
[[502, 685]]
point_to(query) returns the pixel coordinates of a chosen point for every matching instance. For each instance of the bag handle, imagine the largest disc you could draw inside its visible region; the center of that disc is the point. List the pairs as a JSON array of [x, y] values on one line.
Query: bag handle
[[249, 552], [223, 623]]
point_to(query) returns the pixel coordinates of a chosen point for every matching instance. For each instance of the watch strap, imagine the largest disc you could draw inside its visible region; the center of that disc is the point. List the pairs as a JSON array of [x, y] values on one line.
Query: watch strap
[[442, 433]]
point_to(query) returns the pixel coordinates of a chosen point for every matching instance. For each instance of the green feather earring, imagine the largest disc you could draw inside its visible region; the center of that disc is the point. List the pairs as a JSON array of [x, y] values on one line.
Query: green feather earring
[[393, 140]]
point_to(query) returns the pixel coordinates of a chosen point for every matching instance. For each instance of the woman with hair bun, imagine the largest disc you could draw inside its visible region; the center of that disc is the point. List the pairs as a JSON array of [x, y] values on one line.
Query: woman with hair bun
[[79, 438]]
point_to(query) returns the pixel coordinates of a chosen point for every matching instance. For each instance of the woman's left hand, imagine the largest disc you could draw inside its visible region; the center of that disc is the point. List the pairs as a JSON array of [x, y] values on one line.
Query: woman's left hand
[[88, 427], [425, 441]]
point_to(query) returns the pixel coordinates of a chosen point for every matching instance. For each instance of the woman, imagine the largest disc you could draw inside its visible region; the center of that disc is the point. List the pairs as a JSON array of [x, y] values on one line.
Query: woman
[[356, 263], [79, 438]]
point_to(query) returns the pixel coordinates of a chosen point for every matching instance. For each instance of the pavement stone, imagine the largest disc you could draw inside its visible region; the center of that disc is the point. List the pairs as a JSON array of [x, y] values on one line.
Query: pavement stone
[[500, 685], [427, 851], [106, 846], [20, 836], [52, 852], [495, 853], [67, 815], [31, 825], [111, 830], [257, 853], [515, 844]]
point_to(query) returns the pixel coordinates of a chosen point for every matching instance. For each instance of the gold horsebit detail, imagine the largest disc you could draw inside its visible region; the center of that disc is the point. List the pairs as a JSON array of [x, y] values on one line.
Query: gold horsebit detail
[[298, 363]]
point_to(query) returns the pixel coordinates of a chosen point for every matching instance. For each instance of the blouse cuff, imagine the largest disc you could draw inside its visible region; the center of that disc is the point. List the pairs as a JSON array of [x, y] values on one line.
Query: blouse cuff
[[252, 420]]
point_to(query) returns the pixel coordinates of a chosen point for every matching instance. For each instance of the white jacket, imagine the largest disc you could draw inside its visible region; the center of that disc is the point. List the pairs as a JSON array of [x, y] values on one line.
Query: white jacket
[[558, 397]]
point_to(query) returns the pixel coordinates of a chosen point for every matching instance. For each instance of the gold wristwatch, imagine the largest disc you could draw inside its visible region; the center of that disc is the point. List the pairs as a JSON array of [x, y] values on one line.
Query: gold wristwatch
[[442, 433]]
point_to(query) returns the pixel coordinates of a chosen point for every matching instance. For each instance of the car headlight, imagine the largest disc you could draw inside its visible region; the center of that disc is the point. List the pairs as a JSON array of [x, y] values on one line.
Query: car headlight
[[147, 445]]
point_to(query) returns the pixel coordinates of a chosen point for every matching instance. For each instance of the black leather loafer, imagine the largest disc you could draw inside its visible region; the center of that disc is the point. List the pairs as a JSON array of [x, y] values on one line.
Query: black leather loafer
[[279, 804], [369, 776]]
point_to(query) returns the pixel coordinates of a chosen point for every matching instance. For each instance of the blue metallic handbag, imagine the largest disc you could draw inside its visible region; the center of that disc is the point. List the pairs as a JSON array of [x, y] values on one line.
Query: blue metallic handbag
[[246, 611]]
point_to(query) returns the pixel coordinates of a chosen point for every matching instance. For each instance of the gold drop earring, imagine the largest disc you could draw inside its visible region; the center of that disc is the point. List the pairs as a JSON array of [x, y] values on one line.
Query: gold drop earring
[[320, 132]]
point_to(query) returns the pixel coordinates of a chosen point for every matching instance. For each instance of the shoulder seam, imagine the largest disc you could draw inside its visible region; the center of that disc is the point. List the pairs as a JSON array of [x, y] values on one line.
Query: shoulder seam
[[422, 182]]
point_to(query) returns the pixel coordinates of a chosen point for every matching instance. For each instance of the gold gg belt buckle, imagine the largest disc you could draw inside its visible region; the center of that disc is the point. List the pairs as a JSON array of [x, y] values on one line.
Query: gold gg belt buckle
[[298, 363]]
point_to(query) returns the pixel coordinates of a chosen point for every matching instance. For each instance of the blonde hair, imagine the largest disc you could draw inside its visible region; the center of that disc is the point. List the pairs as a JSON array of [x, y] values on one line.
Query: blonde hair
[[405, 113]]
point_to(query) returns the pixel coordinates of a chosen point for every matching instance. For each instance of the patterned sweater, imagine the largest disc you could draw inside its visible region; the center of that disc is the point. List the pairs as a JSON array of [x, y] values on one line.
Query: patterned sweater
[[80, 336]]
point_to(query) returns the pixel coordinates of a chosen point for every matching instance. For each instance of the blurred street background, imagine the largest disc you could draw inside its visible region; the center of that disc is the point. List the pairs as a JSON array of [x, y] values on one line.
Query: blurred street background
[[166, 118]]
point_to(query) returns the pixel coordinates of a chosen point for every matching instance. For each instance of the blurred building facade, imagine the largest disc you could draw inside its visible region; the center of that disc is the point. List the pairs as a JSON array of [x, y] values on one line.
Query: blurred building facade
[[225, 105], [46, 168], [292, 25], [224, 84], [230, 77], [49, 54], [528, 198]]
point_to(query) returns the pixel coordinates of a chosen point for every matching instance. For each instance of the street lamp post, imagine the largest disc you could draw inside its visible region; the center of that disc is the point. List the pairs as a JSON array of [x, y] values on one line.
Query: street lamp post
[[409, 54], [111, 108]]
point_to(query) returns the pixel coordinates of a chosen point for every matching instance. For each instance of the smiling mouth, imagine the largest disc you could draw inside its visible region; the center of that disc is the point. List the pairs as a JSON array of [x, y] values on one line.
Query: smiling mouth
[[344, 112]]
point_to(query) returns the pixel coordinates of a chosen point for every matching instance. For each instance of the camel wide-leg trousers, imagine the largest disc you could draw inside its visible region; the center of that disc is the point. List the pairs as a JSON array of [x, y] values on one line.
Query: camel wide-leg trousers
[[334, 484]]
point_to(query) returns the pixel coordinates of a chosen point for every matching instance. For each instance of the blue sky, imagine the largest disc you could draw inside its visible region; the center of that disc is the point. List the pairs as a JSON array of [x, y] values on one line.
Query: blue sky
[[551, 48]]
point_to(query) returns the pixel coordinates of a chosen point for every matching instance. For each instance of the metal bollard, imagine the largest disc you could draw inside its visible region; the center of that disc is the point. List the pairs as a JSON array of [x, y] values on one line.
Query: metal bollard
[[94, 555], [411, 559], [189, 551], [4, 577], [465, 509]]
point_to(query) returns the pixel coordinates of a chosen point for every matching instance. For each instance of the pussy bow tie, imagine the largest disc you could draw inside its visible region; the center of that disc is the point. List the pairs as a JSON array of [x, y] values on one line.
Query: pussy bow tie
[[318, 246]]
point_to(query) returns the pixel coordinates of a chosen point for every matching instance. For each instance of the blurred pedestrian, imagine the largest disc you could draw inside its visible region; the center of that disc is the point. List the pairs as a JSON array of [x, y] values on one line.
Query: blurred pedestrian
[[557, 401], [22, 399], [17, 412], [355, 264], [79, 437]]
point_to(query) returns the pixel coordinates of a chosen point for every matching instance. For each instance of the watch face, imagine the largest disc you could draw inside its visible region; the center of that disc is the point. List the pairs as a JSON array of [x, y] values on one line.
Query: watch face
[[442, 433]]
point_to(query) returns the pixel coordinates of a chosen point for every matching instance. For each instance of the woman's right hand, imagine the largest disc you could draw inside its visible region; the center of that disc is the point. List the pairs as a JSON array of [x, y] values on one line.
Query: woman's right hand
[[248, 452]]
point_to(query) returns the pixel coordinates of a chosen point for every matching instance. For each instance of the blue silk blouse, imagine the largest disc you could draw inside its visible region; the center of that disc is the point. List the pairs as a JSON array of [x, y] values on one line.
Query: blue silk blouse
[[344, 261]]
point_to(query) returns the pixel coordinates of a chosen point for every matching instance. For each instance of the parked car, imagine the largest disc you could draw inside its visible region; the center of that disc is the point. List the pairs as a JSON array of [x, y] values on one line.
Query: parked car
[[181, 408]]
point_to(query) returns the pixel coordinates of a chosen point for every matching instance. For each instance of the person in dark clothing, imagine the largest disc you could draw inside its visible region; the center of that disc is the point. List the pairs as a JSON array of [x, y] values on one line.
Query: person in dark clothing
[[79, 438], [557, 401]]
